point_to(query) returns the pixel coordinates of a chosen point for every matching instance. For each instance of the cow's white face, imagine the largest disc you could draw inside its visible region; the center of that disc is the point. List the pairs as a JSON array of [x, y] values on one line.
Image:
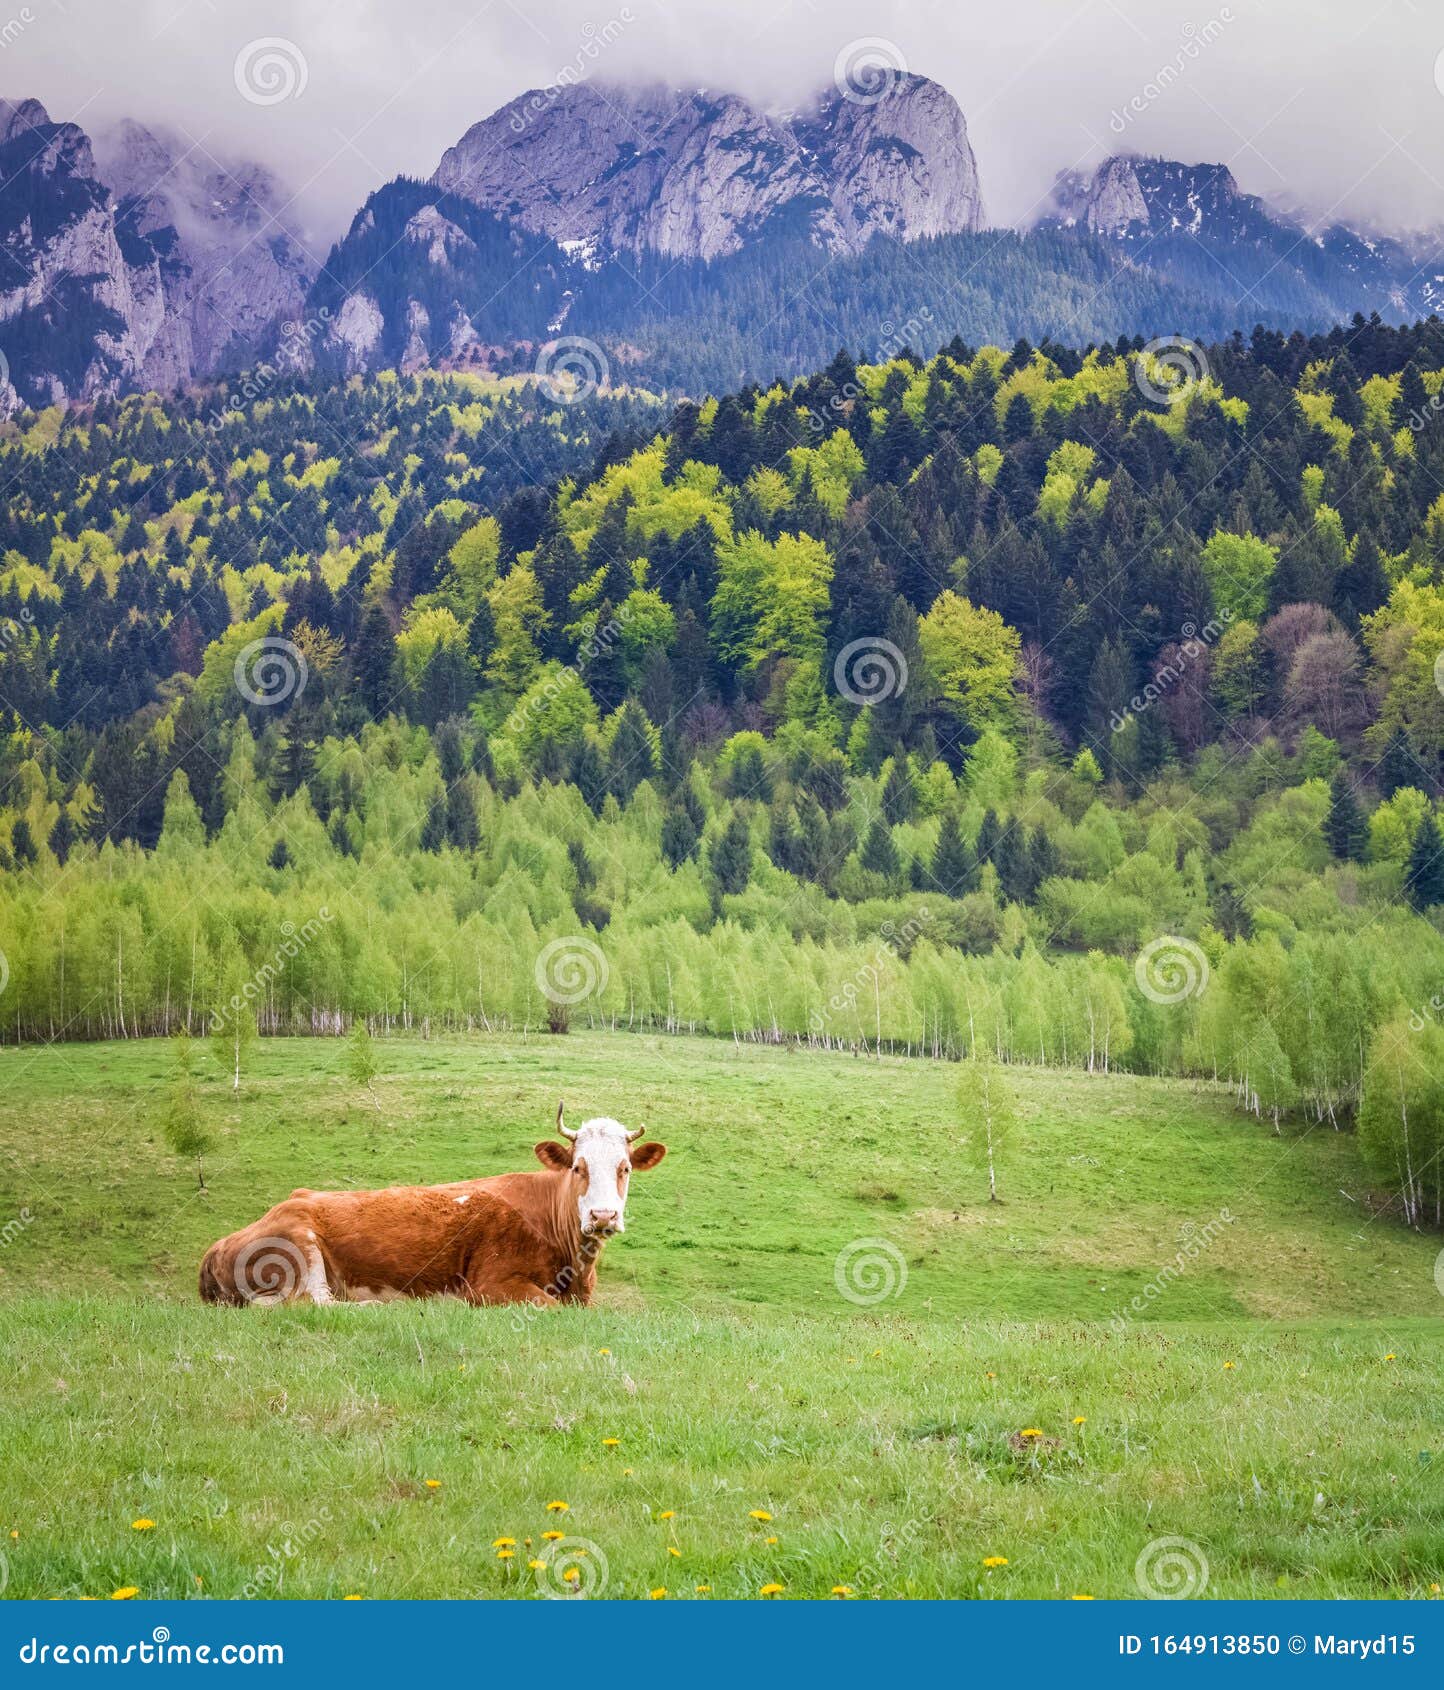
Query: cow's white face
[[601, 1161]]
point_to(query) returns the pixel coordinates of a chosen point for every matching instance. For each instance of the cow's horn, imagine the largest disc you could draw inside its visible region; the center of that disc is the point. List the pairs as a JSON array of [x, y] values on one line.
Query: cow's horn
[[633, 1137], [562, 1127]]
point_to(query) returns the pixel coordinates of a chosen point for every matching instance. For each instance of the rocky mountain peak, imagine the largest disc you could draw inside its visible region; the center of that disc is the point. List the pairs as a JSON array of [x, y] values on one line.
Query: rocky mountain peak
[[234, 264], [1126, 194], [900, 165], [16, 116], [699, 173]]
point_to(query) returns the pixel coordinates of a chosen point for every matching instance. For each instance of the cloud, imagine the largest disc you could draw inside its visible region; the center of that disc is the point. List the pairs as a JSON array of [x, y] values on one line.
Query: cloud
[[1319, 102]]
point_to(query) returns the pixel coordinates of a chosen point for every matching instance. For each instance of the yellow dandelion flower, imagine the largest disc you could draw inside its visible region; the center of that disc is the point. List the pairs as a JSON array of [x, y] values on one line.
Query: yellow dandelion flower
[[433, 1484], [627, 1472], [558, 1507], [1433, 1589], [1080, 1419], [772, 1590], [505, 1554], [353, 1598], [876, 1354], [14, 1536], [1227, 1365], [1031, 1432], [842, 1590], [142, 1525], [534, 1565], [995, 1560], [125, 1593], [572, 1574], [668, 1514], [610, 1443], [706, 1589], [1082, 1597], [1390, 1357], [604, 1352], [672, 1550], [200, 1582], [657, 1594], [990, 1376], [551, 1537], [759, 1514], [503, 1543]]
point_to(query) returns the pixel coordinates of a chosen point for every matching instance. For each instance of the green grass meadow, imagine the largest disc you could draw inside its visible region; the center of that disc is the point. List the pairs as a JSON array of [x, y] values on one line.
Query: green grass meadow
[[1211, 1335]]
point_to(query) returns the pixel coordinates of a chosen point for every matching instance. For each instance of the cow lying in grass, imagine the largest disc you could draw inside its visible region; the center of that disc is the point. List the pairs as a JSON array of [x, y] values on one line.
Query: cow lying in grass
[[513, 1238]]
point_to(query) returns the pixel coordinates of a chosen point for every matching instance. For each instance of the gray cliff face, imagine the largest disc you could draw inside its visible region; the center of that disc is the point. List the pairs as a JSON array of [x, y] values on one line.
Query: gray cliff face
[[1115, 198], [697, 174], [64, 266], [902, 166], [159, 267], [1127, 197], [233, 268]]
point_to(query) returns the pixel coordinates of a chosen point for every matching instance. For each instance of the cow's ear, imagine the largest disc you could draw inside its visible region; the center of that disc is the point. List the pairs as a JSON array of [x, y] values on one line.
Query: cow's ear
[[647, 1155], [553, 1155]]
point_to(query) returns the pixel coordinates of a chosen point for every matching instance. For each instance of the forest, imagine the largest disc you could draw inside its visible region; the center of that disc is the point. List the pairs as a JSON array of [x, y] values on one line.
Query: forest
[[1083, 706]]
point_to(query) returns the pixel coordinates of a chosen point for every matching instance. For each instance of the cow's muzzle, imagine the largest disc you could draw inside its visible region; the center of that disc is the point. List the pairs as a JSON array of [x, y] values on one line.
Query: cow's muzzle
[[603, 1222]]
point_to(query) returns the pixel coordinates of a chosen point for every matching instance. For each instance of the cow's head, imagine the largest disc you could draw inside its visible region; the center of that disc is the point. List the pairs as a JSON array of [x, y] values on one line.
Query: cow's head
[[600, 1156]]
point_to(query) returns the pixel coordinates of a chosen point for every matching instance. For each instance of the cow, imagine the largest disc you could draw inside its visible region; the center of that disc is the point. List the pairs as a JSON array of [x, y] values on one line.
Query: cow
[[510, 1238]]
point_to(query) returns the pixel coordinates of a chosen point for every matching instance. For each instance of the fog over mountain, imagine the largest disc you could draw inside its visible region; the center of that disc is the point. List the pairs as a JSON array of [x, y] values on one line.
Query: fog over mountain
[[1334, 107]]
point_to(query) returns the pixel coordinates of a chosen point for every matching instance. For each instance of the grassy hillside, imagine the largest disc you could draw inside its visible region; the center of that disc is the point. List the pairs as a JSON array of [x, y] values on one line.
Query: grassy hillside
[[1281, 1417], [777, 1161]]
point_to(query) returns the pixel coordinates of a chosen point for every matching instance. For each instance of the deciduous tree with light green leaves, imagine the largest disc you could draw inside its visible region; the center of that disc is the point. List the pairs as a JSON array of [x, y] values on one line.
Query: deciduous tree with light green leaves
[[972, 655], [987, 1114], [771, 598], [1240, 570], [361, 1058], [184, 1121]]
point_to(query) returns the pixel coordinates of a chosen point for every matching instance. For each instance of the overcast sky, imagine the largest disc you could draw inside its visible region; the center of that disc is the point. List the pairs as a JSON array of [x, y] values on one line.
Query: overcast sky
[[1334, 105]]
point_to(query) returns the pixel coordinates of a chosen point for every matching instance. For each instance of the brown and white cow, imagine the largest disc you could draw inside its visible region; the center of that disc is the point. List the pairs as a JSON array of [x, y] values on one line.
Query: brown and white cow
[[512, 1238]]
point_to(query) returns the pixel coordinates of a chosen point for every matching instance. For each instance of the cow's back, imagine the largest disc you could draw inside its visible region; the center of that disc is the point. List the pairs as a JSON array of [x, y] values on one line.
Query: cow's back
[[414, 1241]]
